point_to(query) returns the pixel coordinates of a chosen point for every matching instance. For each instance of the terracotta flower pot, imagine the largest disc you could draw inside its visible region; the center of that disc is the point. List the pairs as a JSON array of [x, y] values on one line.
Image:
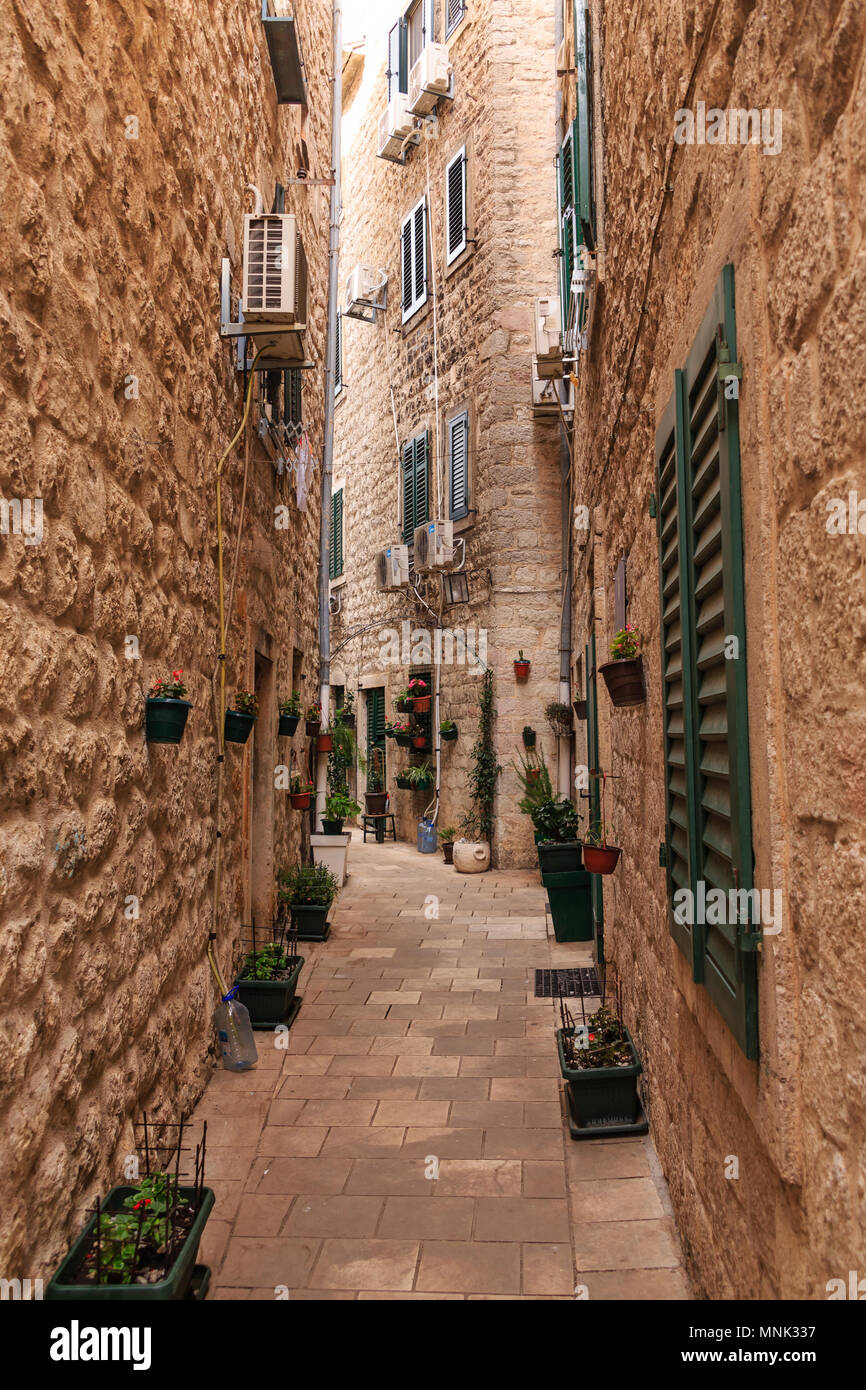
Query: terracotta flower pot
[[313, 726], [324, 743], [600, 859], [521, 670], [625, 681], [421, 703], [419, 740], [300, 800]]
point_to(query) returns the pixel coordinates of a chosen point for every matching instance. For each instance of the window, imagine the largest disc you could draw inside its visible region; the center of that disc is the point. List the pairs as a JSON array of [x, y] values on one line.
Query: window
[[292, 397], [454, 12], [458, 466], [413, 251], [416, 484], [704, 691], [335, 537], [406, 40], [568, 243], [338, 357], [455, 207], [583, 132]]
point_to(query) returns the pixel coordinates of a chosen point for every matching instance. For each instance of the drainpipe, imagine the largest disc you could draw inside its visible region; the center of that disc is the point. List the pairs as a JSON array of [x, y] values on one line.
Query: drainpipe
[[330, 382]]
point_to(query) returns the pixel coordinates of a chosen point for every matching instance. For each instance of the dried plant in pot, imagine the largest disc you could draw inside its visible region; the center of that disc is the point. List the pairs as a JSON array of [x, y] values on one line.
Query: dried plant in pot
[[166, 711], [346, 713], [624, 675], [558, 717], [290, 713], [239, 720], [600, 1067]]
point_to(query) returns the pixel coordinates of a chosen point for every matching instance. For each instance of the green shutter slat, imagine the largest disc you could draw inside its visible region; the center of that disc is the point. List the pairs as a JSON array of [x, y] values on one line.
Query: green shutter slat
[[458, 467], [422, 478], [584, 178], [406, 252], [408, 466]]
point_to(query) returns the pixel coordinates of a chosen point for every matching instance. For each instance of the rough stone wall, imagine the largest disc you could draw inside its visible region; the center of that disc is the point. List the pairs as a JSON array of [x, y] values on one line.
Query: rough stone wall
[[503, 110], [110, 263], [792, 224]]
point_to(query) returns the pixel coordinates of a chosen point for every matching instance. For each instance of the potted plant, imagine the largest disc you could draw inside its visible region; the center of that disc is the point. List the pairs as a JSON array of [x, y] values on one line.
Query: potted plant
[[624, 676], [166, 711], [267, 981], [324, 741], [419, 739], [402, 780], [308, 891], [404, 701], [420, 778], [557, 826], [529, 736], [420, 695], [558, 717], [241, 717], [471, 853], [598, 856], [313, 718], [376, 797], [579, 708], [535, 784], [290, 713], [300, 791], [402, 734], [600, 1067], [390, 731], [447, 836], [447, 731], [338, 807], [521, 667], [346, 713]]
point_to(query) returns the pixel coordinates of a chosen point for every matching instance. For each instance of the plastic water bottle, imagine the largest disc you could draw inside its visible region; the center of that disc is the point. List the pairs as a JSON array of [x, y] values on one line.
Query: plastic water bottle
[[235, 1033], [426, 837]]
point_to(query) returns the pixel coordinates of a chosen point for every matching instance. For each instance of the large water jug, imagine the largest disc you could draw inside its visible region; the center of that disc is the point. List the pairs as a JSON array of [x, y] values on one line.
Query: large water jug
[[426, 837], [235, 1033]]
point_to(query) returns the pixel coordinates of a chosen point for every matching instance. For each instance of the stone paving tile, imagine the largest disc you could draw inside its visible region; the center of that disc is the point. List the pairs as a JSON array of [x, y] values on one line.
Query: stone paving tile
[[420, 1218], [521, 1218], [616, 1199], [478, 1177], [334, 1216], [398, 1177], [469, 1267], [365, 1264]]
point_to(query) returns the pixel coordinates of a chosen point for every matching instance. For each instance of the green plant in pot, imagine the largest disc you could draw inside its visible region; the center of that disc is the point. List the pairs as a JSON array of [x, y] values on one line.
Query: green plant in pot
[[623, 675], [599, 1063], [448, 731], [346, 713], [419, 693], [300, 791], [558, 717], [241, 717], [338, 808], [404, 701], [308, 890], [419, 778], [535, 784], [557, 830], [267, 981], [375, 797], [447, 836], [313, 719], [290, 713], [166, 711]]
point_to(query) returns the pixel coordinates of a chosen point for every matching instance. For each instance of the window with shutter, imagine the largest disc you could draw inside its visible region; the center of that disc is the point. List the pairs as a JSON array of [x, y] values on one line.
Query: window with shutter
[[397, 74], [335, 539], [415, 484], [454, 12], [458, 467], [567, 221], [455, 206], [338, 357], [704, 688], [584, 188], [413, 253]]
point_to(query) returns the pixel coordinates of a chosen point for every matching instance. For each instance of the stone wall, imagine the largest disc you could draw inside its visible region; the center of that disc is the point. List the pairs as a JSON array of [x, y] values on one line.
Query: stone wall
[[792, 225], [128, 135], [503, 111]]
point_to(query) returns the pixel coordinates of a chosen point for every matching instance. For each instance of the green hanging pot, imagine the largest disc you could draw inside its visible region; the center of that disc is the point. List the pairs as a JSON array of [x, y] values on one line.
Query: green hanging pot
[[238, 726], [165, 720]]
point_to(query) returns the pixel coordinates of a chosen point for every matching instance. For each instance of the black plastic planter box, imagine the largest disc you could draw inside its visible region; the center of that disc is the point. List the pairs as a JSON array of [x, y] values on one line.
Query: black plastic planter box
[[603, 1097], [269, 1001], [238, 726], [173, 1288], [570, 899], [559, 858], [448, 735], [331, 827], [288, 724], [165, 720], [310, 920]]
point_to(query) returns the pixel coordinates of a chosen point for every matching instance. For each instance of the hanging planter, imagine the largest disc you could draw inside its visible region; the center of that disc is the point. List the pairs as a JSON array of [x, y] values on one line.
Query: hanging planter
[[579, 708], [290, 713], [402, 735], [624, 675], [403, 782], [300, 792], [521, 667], [404, 701], [346, 713], [324, 743], [239, 722], [421, 698], [448, 731], [389, 731], [313, 720], [166, 711], [419, 741], [558, 717], [600, 859], [529, 736]]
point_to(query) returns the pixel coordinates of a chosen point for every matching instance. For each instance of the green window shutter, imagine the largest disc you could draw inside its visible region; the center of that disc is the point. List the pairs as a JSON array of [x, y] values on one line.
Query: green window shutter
[[458, 467], [338, 357], [335, 544], [408, 466], [292, 396], [420, 252], [567, 222], [583, 152], [597, 886], [455, 207], [422, 478]]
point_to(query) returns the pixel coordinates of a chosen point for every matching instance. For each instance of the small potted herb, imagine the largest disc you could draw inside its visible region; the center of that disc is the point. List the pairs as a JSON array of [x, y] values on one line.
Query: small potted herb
[[600, 1067], [267, 981], [166, 711], [447, 731], [529, 736], [241, 717], [290, 713], [338, 807], [624, 676], [420, 695], [308, 891], [300, 791], [375, 797], [521, 667], [313, 718], [447, 836], [558, 717], [404, 701]]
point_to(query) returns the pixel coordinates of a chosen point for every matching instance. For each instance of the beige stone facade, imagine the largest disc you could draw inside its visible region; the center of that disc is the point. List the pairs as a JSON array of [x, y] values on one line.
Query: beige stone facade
[[128, 136]]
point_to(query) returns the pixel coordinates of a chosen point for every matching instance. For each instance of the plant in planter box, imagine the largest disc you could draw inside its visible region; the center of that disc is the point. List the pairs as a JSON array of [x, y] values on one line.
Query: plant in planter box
[[166, 711], [267, 977], [403, 700], [420, 695], [308, 891], [447, 730], [290, 713], [558, 717], [600, 1067], [241, 717], [521, 667], [375, 797], [557, 829], [419, 778], [598, 856], [568, 885], [447, 836], [300, 791], [313, 719], [338, 807], [624, 676], [402, 733]]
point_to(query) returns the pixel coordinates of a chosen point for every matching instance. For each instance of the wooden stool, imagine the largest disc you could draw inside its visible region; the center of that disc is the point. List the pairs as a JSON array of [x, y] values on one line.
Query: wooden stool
[[380, 826]]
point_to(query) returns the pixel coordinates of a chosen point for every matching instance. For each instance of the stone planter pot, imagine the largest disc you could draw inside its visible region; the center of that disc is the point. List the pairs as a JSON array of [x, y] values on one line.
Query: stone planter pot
[[625, 681], [165, 720], [600, 859], [447, 847], [376, 803], [270, 1001], [332, 851], [471, 856], [238, 726], [288, 724]]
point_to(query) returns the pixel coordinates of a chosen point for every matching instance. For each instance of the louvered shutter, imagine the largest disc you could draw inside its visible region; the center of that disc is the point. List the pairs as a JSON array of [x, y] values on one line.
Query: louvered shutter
[[567, 223], [455, 209], [408, 491], [458, 467], [422, 477], [396, 76], [420, 253], [455, 9], [335, 540], [338, 357], [584, 186], [292, 396], [406, 255]]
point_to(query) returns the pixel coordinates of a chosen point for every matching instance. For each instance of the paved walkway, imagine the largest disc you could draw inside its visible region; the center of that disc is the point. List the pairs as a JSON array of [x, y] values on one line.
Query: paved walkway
[[420, 1047]]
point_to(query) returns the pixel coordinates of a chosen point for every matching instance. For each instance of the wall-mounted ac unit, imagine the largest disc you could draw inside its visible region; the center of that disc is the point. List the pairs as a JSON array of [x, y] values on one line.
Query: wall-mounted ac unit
[[550, 395], [365, 292], [392, 568], [584, 280], [434, 546], [395, 126], [429, 79], [275, 269], [548, 336]]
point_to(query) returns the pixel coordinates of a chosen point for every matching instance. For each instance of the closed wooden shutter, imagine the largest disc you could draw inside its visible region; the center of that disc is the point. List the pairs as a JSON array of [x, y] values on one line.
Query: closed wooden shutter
[[397, 74], [408, 491], [584, 164], [567, 223], [336, 535], [455, 207], [458, 467], [406, 258], [338, 357], [420, 253], [416, 484], [413, 258], [292, 396]]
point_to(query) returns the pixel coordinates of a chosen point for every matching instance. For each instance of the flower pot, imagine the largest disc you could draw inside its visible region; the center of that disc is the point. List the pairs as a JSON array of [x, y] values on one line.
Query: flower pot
[[404, 706], [165, 720], [529, 740], [447, 848], [602, 1096], [300, 800], [421, 703], [403, 782], [521, 670], [579, 708], [569, 895], [448, 735], [312, 727], [376, 803], [533, 774], [238, 726], [171, 1289], [423, 785], [288, 724], [403, 740], [348, 720], [389, 733], [625, 681], [269, 1001], [324, 743], [332, 851], [600, 859], [560, 857], [471, 856], [310, 920], [331, 827], [419, 741]]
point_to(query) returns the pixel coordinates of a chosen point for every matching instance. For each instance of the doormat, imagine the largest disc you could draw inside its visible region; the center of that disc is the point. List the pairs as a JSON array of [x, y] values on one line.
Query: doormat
[[572, 983]]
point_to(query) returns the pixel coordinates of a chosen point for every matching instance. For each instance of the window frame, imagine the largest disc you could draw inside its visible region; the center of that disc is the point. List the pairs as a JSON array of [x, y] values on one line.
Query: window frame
[[452, 25]]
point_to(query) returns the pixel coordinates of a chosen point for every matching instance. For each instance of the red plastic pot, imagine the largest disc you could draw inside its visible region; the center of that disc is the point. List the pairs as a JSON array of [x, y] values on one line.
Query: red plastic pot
[[600, 859], [521, 670], [533, 774], [421, 703], [300, 800], [324, 743], [419, 740]]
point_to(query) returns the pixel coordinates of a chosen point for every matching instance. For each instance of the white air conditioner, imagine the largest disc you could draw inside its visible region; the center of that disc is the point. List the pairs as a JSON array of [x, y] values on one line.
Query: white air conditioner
[[584, 279], [429, 79], [275, 269], [365, 291], [392, 568], [548, 395], [395, 126], [434, 546], [548, 336]]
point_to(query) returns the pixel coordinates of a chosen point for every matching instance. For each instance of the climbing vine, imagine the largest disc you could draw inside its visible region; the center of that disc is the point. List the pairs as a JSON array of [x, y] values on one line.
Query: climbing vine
[[485, 768]]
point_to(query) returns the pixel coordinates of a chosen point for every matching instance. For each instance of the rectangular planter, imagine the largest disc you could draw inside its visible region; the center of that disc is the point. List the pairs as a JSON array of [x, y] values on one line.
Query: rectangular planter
[[602, 1096], [570, 899], [333, 852], [269, 1001], [173, 1288], [310, 920], [560, 858]]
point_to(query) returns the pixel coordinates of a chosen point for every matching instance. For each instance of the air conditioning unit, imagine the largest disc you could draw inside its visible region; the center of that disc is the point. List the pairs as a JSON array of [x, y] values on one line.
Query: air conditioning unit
[[548, 398], [548, 336], [584, 279], [365, 292], [434, 545], [275, 269], [395, 126], [429, 79], [392, 568]]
